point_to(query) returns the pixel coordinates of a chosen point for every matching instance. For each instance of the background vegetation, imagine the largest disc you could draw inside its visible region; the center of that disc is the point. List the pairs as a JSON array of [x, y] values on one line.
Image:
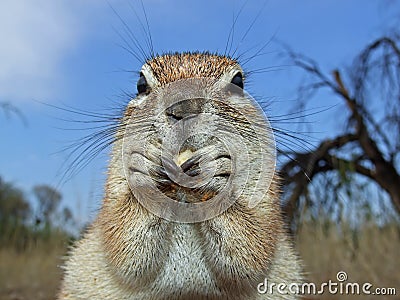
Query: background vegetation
[[33, 241]]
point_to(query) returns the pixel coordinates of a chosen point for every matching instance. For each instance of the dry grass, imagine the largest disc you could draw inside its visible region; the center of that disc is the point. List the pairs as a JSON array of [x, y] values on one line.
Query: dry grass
[[371, 255], [31, 274]]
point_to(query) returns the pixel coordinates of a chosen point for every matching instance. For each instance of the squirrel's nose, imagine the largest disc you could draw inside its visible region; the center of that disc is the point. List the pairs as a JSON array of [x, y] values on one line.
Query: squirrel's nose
[[184, 109]]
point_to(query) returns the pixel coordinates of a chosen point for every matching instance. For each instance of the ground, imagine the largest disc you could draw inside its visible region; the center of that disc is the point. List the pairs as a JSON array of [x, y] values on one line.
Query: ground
[[370, 255]]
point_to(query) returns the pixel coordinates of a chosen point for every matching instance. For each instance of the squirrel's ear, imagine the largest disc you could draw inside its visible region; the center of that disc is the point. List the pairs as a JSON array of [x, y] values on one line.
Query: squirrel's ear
[[142, 85], [238, 80]]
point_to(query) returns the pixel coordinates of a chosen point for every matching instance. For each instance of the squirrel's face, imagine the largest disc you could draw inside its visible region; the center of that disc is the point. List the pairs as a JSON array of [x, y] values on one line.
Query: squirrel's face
[[193, 133]]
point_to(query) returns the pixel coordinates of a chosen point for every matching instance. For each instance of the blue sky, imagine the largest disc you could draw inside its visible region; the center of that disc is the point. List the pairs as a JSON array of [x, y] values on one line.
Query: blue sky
[[67, 52]]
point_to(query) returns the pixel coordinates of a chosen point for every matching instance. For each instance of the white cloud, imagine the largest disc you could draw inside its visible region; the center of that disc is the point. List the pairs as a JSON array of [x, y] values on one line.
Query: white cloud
[[35, 37]]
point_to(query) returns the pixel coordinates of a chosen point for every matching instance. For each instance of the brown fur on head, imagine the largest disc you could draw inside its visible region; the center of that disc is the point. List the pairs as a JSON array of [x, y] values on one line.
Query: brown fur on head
[[171, 67]]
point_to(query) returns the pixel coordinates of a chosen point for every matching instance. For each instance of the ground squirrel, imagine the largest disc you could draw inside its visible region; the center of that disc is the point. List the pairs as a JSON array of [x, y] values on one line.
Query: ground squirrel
[[130, 252]]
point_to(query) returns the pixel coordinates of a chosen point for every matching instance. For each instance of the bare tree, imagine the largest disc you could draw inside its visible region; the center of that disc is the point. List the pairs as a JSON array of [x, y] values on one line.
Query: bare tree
[[370, 145], [49, 200]]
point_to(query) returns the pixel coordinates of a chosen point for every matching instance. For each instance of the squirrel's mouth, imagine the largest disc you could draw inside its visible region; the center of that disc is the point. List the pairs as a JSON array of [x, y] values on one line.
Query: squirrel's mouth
[[191, 176]]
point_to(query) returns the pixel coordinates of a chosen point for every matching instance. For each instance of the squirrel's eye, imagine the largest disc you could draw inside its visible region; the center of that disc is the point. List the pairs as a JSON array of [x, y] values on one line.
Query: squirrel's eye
[[142, 84], [238, 80]]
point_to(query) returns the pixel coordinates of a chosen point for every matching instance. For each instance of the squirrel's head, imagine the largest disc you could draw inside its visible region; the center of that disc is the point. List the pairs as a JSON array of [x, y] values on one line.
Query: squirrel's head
[[192, 135]]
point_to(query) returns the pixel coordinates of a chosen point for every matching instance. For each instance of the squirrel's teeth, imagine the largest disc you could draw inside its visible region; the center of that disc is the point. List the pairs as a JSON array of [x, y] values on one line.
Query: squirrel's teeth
[[183, 157]]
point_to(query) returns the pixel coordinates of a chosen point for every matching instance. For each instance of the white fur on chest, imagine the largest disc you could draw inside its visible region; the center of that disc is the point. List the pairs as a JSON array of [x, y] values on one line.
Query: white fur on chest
[[185, 269]]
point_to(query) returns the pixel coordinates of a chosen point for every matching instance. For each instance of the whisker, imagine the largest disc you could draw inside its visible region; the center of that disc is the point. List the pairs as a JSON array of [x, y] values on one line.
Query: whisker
[[229, 42], [145, 29], [259, 51], [130, 36], [249, 29]]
